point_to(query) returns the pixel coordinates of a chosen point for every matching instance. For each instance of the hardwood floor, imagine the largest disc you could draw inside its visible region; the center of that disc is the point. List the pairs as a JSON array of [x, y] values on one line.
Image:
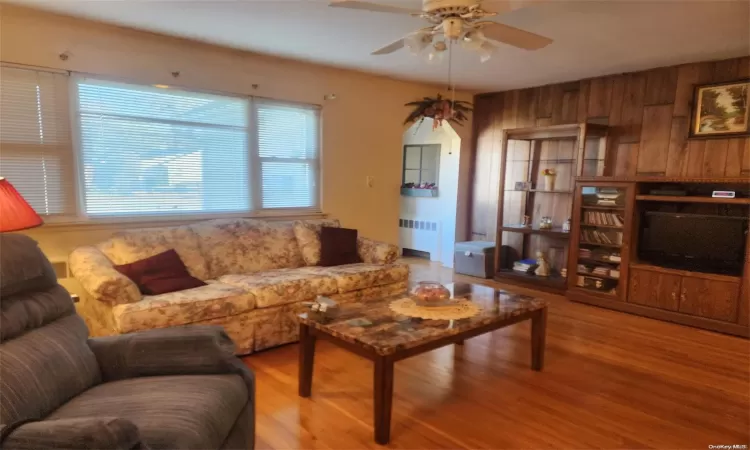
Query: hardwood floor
[[611, 380]]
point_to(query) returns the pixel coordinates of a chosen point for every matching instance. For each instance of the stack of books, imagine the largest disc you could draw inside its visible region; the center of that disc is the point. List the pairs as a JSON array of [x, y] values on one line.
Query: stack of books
[[607, 197], [524, 265], [604, 218], [600, 237], [597, 284], [600, 270]]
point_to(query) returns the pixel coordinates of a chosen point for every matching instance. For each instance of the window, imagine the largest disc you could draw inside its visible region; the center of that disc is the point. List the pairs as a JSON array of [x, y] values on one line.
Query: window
[[147, 150], [36, 154], [288, 152], [154, 151], [421, 164]]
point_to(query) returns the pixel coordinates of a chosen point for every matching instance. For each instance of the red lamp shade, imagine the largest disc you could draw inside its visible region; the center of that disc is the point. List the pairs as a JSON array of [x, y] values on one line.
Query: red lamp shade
[[15, 213]]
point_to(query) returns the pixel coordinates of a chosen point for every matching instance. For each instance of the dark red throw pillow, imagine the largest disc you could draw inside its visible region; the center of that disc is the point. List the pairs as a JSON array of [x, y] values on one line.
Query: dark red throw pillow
[[160, 274], [338, 246]]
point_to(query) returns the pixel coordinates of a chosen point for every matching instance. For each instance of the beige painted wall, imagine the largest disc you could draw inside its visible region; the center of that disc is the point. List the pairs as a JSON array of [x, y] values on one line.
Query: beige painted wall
[[362, 128]]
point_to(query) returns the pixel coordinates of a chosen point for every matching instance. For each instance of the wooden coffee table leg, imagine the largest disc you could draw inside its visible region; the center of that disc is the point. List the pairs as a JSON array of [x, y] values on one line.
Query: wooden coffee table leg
[[538, 337], [383, 390], [306, 359]]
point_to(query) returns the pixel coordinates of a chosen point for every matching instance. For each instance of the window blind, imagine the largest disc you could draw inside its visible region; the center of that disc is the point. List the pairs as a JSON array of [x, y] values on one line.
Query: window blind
[[36, 154], [151, 151], [288, 152]]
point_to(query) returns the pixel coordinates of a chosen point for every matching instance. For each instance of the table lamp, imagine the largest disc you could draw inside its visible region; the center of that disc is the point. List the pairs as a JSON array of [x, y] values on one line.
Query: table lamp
[[15, 213]]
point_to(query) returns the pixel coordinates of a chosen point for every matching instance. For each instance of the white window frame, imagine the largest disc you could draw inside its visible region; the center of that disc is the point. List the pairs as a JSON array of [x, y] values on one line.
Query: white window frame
[[256, 160], [254, 166], [72, 197]]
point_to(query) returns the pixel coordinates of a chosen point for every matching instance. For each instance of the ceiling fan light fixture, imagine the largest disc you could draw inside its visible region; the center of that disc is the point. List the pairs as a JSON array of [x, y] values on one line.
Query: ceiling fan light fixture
[[486, 50], [437, 53], [452, 27], [418, 41], [473, 40]]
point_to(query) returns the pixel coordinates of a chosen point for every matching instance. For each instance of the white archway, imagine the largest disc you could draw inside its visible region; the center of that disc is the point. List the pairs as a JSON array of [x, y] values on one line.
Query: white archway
[[440, 210]]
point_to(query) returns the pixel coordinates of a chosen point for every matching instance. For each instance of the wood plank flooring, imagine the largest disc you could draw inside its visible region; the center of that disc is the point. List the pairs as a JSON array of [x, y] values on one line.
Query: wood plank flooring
[[611, 380]]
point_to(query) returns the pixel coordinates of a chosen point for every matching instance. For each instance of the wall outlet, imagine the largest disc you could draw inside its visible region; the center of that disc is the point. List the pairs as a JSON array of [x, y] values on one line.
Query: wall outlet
[[370, 181]]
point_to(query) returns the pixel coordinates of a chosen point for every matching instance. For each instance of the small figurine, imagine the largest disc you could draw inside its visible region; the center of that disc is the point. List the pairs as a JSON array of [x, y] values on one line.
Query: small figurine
[[543, 269], [527, 221], [545, 223], [566, 226]]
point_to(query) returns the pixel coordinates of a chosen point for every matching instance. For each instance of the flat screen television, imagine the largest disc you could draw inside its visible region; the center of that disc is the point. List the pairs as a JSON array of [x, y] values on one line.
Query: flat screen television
[[695, 242]]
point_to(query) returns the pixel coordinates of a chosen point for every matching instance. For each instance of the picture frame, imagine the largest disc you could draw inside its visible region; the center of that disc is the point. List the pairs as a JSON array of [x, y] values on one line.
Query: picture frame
[[721, 110]]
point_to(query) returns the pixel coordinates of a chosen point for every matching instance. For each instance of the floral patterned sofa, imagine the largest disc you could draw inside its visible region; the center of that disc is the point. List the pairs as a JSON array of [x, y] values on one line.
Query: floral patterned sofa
[[257, 273]]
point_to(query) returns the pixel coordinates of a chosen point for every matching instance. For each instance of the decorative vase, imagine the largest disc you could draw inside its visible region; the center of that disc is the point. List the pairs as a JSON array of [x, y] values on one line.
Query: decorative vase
[[430, 293], [549, 182]]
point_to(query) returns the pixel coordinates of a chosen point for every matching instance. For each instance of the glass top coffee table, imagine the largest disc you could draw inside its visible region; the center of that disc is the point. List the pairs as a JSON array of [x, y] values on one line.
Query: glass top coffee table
[[370, 329]]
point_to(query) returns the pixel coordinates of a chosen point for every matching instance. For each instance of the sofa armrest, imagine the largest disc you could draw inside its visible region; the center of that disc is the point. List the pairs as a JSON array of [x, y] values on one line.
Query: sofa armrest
[[97, 275], [80, 433], [187, 350], [375, 252]]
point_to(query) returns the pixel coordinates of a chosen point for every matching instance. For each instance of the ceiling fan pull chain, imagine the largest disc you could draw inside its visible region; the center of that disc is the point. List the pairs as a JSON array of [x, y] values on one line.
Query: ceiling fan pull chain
[[451, 86]]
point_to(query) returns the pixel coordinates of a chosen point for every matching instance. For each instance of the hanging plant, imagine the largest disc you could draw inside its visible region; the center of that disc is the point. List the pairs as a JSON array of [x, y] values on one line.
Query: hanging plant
[[438, 109]]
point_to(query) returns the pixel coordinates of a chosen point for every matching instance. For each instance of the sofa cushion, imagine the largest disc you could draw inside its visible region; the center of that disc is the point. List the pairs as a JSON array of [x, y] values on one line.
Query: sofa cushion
[[240, 246], [182, 307], [129, 246], [353, 277], [282, 286], [185, 411], [338, 246], [307, 233], [160, 274]]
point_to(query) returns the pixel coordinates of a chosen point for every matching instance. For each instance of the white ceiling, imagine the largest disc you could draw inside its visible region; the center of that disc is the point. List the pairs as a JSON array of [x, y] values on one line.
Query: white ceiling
[[592, 38]]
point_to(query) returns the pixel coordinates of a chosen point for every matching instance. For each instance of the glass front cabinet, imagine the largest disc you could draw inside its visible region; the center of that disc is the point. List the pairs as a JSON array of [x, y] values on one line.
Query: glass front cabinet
[[535, 213], [600, 244]]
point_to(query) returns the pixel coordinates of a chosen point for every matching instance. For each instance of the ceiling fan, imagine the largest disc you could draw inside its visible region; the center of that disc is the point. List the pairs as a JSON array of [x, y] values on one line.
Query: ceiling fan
[[455, 21]]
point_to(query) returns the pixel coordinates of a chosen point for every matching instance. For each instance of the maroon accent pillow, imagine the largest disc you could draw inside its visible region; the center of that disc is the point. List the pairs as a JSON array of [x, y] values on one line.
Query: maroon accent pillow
[[160, 274], [338, 246]]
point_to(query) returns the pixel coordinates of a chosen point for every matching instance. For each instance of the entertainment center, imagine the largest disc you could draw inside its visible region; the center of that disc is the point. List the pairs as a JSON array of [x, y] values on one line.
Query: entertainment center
[[674, 249], [682, 255]]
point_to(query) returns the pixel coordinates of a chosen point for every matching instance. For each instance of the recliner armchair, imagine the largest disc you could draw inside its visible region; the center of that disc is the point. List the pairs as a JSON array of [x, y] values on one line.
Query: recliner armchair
[[170, 388]]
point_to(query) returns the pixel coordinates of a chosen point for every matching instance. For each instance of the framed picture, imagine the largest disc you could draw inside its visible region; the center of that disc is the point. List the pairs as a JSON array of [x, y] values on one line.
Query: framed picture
[[720, 110]]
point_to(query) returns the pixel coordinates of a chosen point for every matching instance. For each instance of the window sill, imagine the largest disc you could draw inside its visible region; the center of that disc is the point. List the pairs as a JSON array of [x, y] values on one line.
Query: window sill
[[158, 222], [418, 192]]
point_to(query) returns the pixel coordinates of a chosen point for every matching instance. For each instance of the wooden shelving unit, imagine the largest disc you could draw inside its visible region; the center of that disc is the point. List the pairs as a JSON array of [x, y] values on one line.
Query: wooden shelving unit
[[553, 232], [603, 208], [555, 281], [713, 301], [693, 199], [570, 151], [601, 229], [614, 227]]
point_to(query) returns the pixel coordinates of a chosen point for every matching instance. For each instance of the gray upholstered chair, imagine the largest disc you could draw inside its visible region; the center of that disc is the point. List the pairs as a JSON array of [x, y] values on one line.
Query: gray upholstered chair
[[170, 388]]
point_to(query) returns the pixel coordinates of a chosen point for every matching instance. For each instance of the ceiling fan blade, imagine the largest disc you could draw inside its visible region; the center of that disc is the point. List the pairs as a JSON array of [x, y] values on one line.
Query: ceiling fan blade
[[416, 41], [390, 48], [375, 7], [514, 36]]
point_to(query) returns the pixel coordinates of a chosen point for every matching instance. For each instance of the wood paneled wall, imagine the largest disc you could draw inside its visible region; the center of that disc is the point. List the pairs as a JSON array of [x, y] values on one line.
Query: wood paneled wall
[[648, 114]]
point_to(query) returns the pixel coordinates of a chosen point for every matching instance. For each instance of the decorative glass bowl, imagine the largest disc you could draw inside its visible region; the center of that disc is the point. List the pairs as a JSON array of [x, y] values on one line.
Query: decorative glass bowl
[[430, 293]]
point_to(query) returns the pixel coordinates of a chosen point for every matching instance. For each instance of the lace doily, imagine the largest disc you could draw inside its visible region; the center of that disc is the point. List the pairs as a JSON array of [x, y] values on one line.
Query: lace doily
[[458, 309]]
